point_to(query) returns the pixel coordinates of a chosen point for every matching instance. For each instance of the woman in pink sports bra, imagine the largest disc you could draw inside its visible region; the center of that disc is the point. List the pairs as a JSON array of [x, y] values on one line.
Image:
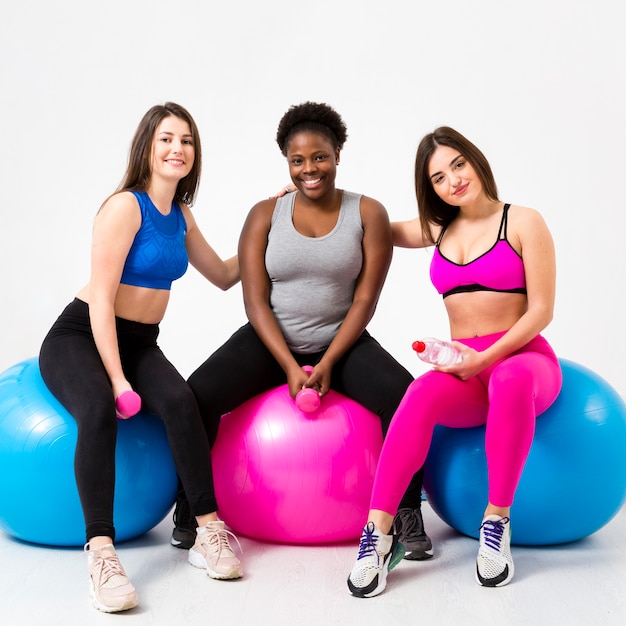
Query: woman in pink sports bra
[[494, 265]]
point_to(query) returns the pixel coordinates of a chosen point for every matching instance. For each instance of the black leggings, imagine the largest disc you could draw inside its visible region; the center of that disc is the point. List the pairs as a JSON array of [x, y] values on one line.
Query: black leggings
[[73, 371], [243, 367]]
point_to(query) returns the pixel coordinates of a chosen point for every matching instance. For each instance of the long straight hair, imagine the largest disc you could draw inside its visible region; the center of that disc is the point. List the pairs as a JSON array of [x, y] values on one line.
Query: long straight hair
[[432, 209], [139, 170]]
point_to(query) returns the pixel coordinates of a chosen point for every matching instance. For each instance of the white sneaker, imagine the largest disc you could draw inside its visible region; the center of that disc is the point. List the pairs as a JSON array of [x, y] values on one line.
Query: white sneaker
[[378, 554], [109, 587], [494, 564], [212, 552]]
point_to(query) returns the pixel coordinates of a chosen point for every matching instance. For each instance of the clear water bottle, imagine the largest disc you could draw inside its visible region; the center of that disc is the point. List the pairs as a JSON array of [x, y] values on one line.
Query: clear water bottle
[[436, 351]]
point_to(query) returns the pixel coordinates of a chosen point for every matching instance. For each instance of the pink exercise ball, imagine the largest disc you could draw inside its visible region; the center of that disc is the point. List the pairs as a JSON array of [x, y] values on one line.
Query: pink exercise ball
[[285, 476]]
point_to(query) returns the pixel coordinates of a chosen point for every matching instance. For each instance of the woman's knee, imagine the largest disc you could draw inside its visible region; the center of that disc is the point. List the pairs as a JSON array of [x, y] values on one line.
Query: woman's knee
[[418, 407], [428, 391], [96, 418], [516, 368], [178, 401], [512, 382]]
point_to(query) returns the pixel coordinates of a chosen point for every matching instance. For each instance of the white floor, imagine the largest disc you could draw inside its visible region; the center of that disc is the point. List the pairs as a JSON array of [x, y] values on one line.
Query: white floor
[[575, 584]]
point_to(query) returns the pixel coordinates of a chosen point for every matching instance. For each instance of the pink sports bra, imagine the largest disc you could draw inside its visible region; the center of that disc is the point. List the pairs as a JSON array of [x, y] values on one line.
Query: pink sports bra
[[501, 268]]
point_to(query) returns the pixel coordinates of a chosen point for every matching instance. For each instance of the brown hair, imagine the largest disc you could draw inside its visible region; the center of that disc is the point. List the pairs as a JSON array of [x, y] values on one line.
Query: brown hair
[[432, 209], [139, 171]]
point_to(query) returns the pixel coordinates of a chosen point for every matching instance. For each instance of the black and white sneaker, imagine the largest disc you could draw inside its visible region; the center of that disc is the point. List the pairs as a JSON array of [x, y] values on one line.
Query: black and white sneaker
[[494, 564], [409, 526], [184, 533], [378, 554]]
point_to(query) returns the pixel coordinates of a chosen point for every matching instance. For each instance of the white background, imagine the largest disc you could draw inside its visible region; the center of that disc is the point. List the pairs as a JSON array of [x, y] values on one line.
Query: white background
[[538, 85]]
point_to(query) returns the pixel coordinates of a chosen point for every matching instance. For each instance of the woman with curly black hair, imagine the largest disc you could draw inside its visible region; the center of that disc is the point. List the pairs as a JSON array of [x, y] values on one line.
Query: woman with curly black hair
[[313, 263]]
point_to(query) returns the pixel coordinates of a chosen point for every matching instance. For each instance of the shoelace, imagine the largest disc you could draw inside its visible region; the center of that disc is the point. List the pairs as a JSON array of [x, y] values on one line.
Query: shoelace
[[493, 531], [111, 564], [219, 539], [367, 544]]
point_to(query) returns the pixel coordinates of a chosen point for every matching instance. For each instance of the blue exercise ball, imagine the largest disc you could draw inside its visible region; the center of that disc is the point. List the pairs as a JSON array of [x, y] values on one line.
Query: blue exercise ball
[[574, 481], [39, 500]]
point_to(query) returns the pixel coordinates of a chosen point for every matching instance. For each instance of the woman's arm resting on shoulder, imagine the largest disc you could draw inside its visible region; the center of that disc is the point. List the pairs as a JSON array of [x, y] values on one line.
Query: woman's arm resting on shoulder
[[223, 274], [284, 191], [408, 234]]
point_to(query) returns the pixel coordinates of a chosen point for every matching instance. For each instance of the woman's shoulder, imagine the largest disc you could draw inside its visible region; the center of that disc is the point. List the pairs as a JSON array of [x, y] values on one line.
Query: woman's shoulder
[[372, 208], [525, 222], [264, 207], [120, 201], [523, 214], [260, 215]]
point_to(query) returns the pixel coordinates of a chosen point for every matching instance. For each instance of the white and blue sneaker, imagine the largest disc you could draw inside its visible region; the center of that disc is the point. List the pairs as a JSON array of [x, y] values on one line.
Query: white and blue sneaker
[[494, 564], [378, 554]]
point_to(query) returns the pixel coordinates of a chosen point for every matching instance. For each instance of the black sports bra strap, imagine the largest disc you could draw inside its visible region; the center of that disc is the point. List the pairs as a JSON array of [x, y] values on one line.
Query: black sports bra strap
[[443, 230], [503, 223]]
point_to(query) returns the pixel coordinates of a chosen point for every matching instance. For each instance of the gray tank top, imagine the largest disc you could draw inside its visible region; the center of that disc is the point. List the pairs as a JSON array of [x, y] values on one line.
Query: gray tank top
[[313, 278]]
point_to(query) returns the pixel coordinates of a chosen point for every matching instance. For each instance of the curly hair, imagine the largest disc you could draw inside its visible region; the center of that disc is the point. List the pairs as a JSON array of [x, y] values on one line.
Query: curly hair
[[139, 171], [432, 209], [311, 116]]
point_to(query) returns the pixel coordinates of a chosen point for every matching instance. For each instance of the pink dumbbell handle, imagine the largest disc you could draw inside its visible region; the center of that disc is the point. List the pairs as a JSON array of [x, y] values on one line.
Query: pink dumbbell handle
[[128, 403], [307, 399]]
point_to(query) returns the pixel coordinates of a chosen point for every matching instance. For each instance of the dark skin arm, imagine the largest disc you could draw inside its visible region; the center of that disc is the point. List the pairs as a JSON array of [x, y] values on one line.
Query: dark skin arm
[[377, 253]]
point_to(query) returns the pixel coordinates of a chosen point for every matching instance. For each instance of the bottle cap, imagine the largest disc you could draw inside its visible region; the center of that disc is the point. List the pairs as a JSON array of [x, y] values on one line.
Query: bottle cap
[[419, 346]]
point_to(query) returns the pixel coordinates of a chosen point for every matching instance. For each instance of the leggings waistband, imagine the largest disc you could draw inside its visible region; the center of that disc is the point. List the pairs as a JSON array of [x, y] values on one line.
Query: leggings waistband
[[75, 316], [536, 344]]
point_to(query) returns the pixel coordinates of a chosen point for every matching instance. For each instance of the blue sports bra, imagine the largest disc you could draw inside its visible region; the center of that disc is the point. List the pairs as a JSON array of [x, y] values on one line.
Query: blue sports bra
[[158, 255], [501, 268]]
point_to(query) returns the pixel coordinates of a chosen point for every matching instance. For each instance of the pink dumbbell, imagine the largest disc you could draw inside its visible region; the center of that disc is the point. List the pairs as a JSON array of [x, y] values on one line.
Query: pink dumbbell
[[128, 403], [307, 399]]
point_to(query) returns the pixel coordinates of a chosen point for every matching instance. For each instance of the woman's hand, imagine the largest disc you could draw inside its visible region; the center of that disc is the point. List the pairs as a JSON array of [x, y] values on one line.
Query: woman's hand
[[284, 191], [318, 379], [297, 379], [120, 386], [471, 363]]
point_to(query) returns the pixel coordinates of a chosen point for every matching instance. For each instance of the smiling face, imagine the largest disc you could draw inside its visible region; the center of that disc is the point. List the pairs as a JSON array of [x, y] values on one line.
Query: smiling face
[[173, 150], [453, 177], [312, 160]]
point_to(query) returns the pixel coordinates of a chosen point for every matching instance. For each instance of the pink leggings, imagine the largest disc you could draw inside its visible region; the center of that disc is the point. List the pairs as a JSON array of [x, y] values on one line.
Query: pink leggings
[[506, 396]]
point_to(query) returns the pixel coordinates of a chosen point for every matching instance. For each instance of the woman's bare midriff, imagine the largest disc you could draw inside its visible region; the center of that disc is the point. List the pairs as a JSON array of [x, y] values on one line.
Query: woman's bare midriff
[[139, 304], [480, 313]]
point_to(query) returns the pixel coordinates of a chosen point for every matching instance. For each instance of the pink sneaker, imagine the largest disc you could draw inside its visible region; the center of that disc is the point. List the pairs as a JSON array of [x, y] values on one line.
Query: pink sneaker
[[109, 587], [212, 552]]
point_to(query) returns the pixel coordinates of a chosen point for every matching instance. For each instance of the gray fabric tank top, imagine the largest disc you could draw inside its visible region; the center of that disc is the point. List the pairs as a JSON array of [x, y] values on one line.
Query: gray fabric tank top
[[313, 278]]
